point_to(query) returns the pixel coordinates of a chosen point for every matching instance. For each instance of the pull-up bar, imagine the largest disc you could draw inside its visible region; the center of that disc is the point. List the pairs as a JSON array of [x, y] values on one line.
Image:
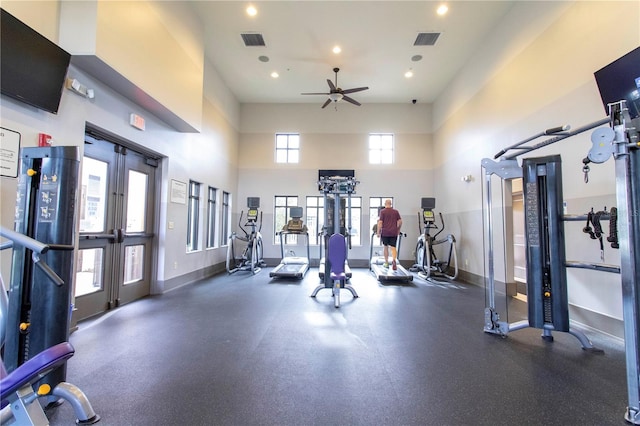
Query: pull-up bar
[[561, 133]]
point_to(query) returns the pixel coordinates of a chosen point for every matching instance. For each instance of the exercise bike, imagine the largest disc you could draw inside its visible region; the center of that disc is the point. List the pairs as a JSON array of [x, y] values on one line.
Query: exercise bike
[[22, 388], [428, 264], [251, 258]]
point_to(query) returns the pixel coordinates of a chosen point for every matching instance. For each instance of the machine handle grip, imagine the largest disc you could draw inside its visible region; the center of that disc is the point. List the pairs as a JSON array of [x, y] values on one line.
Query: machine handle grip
[[557, 129], [499, 154], [47, 270]]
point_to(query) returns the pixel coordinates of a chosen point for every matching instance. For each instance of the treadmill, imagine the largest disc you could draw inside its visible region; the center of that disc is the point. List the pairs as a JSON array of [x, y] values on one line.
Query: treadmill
[[376, 263], [292, 266]]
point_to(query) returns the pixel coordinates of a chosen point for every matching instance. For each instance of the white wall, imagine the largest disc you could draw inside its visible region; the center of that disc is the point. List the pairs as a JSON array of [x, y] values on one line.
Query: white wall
[[157, 46], [333, 139], [209, 157], [548, 83]]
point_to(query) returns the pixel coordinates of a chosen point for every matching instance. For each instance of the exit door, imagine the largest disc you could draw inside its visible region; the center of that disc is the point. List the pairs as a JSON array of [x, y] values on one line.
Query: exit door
[[114, 261]]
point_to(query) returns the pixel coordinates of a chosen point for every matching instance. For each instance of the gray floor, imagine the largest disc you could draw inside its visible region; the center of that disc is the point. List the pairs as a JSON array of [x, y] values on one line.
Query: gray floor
[[247, 350]]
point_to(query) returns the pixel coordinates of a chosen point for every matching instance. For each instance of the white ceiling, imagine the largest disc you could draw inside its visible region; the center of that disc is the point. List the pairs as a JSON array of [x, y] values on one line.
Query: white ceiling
[[376, 37]]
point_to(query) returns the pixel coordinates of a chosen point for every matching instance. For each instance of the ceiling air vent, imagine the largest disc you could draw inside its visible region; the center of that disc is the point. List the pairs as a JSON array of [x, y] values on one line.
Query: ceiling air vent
[[426, 39], [252, 39]]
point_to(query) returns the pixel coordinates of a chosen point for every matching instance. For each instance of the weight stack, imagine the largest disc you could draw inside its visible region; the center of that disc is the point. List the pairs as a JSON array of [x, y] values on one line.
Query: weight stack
[[547, 298]]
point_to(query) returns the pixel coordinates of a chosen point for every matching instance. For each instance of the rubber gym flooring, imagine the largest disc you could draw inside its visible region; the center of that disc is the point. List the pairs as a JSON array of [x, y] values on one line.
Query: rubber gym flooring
[[249, 350]]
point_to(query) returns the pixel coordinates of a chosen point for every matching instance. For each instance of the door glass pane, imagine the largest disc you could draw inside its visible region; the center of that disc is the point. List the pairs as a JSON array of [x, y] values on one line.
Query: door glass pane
[[89, 271], [133, 264], [93, 195], [136, 201]]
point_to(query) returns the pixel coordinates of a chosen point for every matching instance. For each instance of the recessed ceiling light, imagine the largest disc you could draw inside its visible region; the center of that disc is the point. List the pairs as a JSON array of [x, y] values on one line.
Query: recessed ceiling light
[[408, 74], [442, 9], [416, 58], [275, 75], [337, 49], [263, 58], [252, 11]]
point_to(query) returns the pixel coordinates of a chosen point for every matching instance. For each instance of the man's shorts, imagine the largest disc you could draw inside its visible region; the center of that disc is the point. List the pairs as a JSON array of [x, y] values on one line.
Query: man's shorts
[[388, 241]]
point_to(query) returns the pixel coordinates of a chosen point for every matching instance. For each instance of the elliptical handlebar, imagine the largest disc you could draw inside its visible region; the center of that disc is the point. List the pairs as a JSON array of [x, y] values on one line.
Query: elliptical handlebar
[[240, 223], [442, 228], [430, 225]]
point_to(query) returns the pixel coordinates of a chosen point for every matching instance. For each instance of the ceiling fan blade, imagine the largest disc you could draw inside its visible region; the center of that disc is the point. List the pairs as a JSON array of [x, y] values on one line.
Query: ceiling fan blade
[[327, 102], [357, 89], [315, 94], [331, 85], [351, 100]]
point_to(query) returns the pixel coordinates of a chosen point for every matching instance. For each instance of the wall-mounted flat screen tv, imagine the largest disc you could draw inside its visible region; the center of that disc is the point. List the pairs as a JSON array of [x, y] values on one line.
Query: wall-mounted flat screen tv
[[621, 80], [32, 68]]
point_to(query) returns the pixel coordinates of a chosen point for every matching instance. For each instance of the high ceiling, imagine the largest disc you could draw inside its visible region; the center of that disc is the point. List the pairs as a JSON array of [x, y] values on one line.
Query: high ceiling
[[377, 40]]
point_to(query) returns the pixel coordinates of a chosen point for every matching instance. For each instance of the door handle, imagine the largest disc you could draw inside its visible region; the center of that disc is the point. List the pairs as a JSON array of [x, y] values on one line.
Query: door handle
[[112, 236]]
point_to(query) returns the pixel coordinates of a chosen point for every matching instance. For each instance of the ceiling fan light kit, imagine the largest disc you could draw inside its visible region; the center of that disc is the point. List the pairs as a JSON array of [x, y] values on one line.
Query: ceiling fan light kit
[[337, 94]]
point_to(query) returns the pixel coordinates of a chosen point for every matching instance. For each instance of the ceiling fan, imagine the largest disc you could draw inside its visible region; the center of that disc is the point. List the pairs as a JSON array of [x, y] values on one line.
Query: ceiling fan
[[335, 93]]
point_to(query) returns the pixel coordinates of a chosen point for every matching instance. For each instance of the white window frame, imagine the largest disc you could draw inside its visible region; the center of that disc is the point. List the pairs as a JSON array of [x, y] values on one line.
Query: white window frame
[[287, 148], [193, 216], [381, 148]]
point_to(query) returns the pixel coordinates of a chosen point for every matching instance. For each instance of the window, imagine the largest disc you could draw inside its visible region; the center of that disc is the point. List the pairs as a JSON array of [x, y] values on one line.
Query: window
[[194, 216], [356, 222], [211, 217], [380, 148], [226, 212], [287, 147], [375, 204], [281, 216], [315, 218]]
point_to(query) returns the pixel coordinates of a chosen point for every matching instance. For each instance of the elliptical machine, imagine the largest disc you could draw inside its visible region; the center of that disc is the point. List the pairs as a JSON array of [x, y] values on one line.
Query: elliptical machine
[[427, 264], [251, 258]]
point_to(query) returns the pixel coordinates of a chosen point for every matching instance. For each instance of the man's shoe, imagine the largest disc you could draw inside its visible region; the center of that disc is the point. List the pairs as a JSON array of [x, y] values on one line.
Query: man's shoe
[[393, 266]]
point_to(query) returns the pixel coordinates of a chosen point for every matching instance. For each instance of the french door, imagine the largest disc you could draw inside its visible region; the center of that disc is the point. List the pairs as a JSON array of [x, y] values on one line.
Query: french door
[[114, 261]]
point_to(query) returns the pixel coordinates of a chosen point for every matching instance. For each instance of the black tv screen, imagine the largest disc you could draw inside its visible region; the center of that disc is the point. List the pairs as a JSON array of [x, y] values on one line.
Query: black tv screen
[[33, 69], [621, 80]]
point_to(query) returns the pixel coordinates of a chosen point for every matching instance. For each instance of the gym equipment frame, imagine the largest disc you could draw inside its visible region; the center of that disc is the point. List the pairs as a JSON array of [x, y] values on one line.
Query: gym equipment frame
[[546, 238], [336, 185], [427, 265], [376, 262], [251, 258], [19, 388], [293, 266]]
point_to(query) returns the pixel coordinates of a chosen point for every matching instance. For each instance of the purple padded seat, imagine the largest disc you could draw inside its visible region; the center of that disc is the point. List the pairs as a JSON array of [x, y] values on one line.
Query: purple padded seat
[[33, 368], [337, 255]]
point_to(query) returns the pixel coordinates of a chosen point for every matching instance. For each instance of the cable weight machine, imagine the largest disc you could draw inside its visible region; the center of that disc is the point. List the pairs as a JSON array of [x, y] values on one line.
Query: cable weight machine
[[39, 305], [335, 184], [544, 227]]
